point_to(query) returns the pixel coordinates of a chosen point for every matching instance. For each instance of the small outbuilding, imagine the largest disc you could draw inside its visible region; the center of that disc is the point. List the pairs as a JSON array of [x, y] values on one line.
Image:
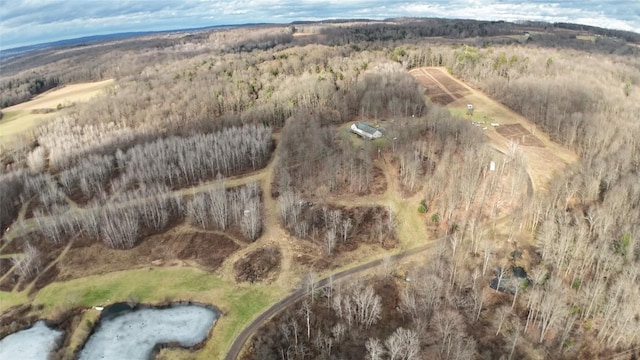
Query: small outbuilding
[[366, 131]]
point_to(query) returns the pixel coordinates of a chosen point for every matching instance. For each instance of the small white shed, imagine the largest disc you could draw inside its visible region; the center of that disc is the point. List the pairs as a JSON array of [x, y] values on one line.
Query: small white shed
[[366, 131]]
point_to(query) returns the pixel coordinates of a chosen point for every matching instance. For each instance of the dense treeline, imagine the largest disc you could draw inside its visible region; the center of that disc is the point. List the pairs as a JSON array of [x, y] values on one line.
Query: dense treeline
[[118, 225], [19, 90], [220, 208], [174, 161], [123, 189], [192, 110], [313, 157], [129, 57], [246, 41], [11, 187], [382, 318], [178, 161], [418, 28], [132, 215], [336, 229], [626, 35], [587, 225]]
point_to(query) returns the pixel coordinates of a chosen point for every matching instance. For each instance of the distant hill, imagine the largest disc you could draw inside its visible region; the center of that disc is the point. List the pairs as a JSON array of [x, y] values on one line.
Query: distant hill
[[85, 40], [93, 39]]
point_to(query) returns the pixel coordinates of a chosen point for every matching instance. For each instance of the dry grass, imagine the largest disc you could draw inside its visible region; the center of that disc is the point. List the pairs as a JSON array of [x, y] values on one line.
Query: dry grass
[[586, 37], [22, 117], [63, 96], [18, 122]]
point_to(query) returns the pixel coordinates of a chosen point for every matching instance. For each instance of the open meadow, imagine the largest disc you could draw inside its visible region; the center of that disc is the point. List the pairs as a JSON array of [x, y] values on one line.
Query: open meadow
[[26, 116]]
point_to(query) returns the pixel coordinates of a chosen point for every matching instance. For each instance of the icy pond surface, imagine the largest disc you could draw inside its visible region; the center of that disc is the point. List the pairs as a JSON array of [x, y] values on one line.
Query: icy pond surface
[[34, 343], [134, 334]]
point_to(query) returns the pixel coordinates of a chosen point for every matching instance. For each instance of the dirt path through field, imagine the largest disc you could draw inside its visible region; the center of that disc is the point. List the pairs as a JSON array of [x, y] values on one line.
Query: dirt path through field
[[543, 162], [273, 234], [410, 226]]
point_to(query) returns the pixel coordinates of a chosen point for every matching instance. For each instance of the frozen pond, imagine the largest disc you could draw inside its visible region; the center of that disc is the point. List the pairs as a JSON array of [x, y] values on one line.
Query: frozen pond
[[134, 334], [34, 343]]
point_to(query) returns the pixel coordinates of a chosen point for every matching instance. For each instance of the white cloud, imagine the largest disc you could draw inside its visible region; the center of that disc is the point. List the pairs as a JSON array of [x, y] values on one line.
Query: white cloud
[[31, 21]]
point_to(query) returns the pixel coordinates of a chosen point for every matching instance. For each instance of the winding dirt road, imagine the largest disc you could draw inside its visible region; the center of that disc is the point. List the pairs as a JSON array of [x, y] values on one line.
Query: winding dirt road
[[542, 164], [241, 339]]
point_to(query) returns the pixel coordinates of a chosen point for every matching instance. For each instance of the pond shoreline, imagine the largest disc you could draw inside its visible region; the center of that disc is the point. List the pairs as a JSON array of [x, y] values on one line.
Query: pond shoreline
[[69, 323], [117, 311]]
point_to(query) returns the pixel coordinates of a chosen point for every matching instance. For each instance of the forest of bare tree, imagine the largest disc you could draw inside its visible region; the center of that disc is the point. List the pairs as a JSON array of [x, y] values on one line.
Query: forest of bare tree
[[193, 113]]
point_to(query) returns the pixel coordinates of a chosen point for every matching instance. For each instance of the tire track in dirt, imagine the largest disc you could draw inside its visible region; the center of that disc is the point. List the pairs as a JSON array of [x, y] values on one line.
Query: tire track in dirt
[[273, 231], [424, 72]]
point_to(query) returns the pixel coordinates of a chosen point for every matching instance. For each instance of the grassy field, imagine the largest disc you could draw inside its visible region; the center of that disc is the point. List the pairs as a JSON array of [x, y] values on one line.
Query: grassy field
[[10, 299], [81, 332], [16, 122], [22, 117]]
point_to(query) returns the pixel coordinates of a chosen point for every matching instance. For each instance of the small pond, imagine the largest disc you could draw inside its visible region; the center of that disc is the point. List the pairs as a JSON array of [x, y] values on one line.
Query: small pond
[[125, 333], [34, 343]]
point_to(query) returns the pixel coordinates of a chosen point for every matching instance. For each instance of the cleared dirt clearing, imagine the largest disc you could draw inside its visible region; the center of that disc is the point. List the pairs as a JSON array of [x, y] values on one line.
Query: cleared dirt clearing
[[440, 88], [519, 135], [544, 157]]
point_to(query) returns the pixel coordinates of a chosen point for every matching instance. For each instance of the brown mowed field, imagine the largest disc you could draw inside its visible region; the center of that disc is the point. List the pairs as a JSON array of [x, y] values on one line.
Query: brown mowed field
[[447, 82], [442, 99], [442, 93], [519, 135]]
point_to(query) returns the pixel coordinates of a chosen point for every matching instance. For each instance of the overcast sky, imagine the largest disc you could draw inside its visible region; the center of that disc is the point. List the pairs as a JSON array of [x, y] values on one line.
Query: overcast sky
[[26, 22]]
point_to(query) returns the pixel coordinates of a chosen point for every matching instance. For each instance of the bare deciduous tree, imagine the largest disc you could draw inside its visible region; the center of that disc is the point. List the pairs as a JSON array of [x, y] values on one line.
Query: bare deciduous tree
[[119, 228], [251, 223], [29, 263], [403, 344], [375, 349]]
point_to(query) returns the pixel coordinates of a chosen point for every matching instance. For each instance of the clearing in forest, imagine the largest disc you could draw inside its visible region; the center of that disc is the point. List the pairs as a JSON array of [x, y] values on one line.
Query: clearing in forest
[[440, 88], [25, 116], [519, 135], [544, 158]]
